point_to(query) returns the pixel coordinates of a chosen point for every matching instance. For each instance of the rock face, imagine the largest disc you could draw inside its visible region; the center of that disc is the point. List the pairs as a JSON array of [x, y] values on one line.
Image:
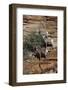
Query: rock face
[[46, 67], [44, 24]]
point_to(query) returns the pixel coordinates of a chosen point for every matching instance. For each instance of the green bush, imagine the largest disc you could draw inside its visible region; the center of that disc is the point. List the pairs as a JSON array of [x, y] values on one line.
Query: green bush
[[34, 39], [30, 41]]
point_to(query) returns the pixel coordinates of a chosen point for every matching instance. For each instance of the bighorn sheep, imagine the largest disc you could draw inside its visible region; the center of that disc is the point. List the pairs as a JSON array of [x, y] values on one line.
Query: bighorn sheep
[[40, 53]]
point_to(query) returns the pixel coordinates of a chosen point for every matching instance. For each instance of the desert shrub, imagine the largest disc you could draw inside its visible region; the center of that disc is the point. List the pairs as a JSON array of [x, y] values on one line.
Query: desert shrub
[[34, 39]]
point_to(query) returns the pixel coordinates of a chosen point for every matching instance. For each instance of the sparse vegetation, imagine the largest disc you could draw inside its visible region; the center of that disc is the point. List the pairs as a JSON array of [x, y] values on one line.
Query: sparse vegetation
[[35, 39]]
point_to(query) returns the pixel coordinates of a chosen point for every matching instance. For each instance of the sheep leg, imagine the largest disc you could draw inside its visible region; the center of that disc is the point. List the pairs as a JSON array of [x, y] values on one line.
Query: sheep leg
[[40, 64]]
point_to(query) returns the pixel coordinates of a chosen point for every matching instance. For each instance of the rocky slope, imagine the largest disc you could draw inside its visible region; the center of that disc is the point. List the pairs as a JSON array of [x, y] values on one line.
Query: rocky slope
[[42, 23]]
